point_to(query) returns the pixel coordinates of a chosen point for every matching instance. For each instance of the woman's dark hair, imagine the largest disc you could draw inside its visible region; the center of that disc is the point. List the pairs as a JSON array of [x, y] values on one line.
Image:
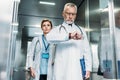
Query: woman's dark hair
[[46, 20]]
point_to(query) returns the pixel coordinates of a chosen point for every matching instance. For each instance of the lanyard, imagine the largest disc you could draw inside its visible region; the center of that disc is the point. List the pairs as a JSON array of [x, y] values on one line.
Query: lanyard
[[45, 45]]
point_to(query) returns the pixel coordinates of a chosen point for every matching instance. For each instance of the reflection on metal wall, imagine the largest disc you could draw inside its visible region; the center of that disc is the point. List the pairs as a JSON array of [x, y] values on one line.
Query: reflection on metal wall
[[13, 39], [110, 39], [107, 56], [117, 36], [8, 31], [6, 7]]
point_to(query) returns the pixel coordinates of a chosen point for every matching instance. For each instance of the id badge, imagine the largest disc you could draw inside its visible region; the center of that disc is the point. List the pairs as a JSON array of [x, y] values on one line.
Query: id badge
[[45, 55]]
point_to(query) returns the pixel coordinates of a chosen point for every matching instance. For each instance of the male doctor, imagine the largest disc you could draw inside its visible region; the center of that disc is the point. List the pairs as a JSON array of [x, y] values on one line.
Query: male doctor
[[72, 44]]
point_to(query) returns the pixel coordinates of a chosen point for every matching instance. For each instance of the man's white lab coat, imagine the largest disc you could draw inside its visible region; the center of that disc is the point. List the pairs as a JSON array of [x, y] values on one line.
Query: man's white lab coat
[[69, 52]]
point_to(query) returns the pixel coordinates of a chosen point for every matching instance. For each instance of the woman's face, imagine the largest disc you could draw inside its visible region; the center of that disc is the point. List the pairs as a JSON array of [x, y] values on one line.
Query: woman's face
[[46, 27]]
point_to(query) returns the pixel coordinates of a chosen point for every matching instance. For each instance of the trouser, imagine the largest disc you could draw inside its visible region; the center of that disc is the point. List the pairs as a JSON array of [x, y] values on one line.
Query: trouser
[[43, 77]]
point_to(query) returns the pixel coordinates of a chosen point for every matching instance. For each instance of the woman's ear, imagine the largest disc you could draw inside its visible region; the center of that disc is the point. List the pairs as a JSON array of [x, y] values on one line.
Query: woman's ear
[[63, 13]]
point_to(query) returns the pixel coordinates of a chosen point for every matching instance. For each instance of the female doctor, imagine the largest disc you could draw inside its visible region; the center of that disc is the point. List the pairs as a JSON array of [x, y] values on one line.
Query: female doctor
[[39, 57], [72, 44]]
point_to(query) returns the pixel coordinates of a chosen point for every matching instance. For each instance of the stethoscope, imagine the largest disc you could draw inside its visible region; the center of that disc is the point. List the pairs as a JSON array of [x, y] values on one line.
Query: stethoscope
[[61, 26]]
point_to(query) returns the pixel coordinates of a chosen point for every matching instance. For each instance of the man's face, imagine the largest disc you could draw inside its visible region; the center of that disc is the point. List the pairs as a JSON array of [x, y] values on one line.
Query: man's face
[[69, 14]]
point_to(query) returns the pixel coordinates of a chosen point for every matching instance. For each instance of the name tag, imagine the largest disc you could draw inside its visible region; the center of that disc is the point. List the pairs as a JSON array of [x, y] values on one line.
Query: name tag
[[45, 55]]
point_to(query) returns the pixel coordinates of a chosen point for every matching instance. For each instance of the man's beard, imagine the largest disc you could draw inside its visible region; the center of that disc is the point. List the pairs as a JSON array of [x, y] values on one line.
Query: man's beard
[[69, 22]]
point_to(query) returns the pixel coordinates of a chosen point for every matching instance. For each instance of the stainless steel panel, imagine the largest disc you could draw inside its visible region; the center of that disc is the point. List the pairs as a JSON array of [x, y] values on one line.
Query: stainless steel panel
[[6, 7], [117, 36], [109, 58]]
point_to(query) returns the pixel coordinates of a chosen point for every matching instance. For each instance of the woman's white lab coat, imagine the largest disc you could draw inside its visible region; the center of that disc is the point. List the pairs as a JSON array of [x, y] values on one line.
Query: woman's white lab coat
[[35, 51], [69, 52]]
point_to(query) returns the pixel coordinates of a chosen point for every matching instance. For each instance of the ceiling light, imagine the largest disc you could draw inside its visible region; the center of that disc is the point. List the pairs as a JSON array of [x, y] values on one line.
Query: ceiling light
[[47, 3]]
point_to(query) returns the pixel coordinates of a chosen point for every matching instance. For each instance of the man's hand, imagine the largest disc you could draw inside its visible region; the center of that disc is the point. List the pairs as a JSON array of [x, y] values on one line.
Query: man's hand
[[75, 35], [87, 76]]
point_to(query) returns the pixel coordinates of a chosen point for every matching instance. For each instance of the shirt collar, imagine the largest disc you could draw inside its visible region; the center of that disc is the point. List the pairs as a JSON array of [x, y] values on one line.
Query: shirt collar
[[65, 24]]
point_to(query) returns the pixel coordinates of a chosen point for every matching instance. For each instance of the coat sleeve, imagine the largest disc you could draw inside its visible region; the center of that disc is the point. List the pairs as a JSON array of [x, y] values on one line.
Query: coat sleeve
[[51, 62], [87, 52], [30, 54], [53, 51], [57, 36]]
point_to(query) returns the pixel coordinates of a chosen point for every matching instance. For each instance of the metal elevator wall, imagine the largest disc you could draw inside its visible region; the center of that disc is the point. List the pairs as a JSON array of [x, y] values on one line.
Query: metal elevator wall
[[5, 19], [18, 27]]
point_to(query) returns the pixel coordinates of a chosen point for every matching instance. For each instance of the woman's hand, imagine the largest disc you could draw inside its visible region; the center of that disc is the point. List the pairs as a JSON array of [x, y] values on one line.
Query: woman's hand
[[32, 72]]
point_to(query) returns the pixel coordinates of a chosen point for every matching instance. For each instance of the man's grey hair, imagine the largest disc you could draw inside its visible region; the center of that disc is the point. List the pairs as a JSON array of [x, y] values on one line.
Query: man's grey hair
[[70, 5]]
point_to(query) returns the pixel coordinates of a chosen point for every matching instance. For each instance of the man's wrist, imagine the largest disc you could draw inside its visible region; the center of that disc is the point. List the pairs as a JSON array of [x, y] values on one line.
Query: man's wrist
[[69, 35]]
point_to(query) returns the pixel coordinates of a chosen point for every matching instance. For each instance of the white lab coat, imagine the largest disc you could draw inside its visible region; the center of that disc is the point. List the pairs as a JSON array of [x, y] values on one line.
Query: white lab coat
[[69, 52], [36, 63]]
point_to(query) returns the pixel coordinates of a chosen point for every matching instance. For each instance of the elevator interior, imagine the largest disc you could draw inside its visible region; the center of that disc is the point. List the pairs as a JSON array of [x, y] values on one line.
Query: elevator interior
[[26, 16]]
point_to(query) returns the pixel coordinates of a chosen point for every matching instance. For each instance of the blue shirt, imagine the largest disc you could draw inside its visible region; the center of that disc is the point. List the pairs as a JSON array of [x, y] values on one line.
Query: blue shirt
[[44, 62]]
